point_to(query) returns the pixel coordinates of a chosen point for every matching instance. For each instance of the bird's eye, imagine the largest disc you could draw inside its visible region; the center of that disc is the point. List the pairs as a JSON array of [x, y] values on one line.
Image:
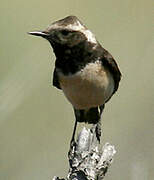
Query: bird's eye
[[65, 32]]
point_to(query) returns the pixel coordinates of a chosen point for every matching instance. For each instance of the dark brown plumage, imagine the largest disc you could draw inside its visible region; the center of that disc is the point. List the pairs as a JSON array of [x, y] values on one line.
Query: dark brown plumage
[[86, 72]]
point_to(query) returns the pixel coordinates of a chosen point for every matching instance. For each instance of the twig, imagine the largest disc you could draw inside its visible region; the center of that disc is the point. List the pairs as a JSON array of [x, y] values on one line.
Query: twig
[[87, 160]]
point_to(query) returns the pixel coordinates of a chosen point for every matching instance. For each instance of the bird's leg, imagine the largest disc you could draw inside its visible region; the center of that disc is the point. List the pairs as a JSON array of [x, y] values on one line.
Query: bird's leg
[[72, 143], [98, 125], [77, 114], [73, 135], [98, 130]]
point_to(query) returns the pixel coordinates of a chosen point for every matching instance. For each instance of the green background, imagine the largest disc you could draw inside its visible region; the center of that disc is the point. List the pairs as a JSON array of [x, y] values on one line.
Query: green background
[[35, 118]]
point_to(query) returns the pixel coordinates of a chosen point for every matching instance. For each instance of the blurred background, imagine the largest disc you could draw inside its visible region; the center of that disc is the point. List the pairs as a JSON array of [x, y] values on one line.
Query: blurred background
[[36, 120]]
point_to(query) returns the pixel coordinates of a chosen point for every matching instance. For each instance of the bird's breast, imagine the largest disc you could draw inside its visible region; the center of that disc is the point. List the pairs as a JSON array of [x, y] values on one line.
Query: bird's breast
[[90, 87]]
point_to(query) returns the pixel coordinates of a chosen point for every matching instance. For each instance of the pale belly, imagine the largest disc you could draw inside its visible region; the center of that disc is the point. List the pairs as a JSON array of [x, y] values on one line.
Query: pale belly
[[91, 87]]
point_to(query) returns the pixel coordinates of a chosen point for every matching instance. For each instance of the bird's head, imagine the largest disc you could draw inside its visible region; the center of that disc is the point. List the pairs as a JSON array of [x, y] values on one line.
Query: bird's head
[[68, 31]]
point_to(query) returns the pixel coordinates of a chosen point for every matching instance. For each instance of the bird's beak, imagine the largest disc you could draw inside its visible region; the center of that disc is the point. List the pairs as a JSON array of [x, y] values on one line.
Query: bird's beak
[[39, 33]]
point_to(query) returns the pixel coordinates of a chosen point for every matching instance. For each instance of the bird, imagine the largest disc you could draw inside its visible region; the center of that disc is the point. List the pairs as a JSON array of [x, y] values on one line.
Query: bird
[[87, 73]]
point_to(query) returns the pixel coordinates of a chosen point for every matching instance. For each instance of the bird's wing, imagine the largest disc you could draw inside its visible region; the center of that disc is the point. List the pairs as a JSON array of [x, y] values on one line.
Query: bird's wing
[[110, 63], [55, 81]]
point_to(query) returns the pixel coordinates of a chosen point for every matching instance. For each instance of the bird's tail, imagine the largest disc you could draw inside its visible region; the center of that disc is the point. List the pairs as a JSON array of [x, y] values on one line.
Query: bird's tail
[[90, 116]]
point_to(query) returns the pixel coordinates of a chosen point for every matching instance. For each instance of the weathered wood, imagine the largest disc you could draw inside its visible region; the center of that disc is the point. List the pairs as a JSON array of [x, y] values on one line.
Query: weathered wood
[[87, 160]]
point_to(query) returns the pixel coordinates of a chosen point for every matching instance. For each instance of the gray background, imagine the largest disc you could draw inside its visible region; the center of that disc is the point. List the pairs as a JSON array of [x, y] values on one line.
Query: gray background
[[35, 118]]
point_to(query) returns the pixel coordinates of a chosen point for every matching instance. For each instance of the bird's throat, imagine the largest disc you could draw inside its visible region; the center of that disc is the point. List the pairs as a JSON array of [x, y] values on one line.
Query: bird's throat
[[72, 59]]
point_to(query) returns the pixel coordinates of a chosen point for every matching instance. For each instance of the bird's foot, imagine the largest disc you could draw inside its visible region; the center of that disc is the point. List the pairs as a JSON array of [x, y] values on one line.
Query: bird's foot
[[72, 143], [72, 148]]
